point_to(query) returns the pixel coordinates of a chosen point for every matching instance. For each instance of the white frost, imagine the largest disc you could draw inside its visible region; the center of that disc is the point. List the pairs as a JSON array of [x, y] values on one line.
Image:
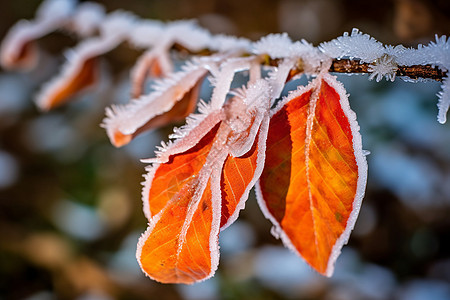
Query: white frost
[[146, 33], [355, 45], [444, 101], [275, 45], [385, 66], [87, 18], [384, 59], [117, 24], [55, 9], [166, 93]]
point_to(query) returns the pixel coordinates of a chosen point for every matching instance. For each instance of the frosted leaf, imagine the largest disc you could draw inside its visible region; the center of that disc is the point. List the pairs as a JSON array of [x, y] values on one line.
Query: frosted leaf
[[55, 9], [129, 118], [146, 33], [244, 118], [274, 45], [355, 45], [79, 60], [18, 49], [359, 153], [247, 110], [383, 67], [87, 18], [117, 24]]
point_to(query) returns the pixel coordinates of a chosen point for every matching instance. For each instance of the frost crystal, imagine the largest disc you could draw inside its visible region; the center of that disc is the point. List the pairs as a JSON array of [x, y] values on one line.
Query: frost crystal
[[385, 66], [275, 45], [312, 57], [444, 101], [356, 45]]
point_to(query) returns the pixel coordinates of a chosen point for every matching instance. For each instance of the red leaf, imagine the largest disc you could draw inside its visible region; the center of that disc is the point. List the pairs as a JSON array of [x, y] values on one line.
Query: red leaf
[[315, 172]]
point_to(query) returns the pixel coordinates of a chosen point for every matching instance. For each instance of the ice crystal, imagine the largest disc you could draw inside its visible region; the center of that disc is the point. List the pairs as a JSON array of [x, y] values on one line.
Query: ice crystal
[[355, 45], [385, 66], [275, 45], [444, 101]]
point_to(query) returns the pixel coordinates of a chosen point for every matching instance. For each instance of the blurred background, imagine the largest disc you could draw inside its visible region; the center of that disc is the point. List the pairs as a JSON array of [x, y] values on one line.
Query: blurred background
[[70, 206]]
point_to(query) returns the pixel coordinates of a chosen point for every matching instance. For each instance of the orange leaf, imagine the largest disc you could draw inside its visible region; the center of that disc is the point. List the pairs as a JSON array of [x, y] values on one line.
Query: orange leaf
[[81, 76], [181, 243], [25, 57], [184, 102], [198, 186], [315, 172]]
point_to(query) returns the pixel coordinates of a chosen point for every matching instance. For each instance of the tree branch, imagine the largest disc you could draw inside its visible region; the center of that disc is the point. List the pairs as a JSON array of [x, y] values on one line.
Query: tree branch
[[414, 72], [347, 66]]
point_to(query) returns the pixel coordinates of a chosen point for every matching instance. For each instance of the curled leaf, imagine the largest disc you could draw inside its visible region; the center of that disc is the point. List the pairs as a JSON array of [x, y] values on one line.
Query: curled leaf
[[315, 172], [172, 100], [153, 63]]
